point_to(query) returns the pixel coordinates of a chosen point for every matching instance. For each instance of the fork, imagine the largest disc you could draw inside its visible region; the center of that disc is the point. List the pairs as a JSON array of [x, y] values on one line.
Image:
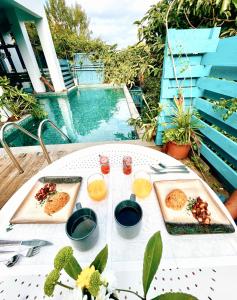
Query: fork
[[27, 253], [172, 167], [165, 171]]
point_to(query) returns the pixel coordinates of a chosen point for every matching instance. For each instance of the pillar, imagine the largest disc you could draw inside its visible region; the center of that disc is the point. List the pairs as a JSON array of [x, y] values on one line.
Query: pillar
[[22, 39], [46, 41]]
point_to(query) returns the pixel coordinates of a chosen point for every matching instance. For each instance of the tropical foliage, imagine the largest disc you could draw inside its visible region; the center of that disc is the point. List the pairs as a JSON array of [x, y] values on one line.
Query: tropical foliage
[[18, 102]]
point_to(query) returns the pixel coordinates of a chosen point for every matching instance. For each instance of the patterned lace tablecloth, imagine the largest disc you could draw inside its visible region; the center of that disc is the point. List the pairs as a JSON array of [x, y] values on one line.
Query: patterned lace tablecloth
[[181, 254]]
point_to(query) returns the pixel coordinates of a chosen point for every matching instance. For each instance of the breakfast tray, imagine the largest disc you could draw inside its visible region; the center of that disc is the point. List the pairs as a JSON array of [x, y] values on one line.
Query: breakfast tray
[[182, 221], [31, 211]]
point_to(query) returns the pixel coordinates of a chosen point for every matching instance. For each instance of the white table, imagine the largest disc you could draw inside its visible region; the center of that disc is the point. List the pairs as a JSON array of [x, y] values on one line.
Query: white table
[[204, 265]]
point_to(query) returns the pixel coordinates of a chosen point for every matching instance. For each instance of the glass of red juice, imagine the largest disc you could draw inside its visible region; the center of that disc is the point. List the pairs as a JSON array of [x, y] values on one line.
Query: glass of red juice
[[127, 165], [104, 164]]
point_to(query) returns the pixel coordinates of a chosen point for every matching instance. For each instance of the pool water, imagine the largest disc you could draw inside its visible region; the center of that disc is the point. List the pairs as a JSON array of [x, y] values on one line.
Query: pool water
[[87, 115]]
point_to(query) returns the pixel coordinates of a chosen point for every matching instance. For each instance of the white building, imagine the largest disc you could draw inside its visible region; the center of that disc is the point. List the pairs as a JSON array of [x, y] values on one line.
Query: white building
[[13, 14]]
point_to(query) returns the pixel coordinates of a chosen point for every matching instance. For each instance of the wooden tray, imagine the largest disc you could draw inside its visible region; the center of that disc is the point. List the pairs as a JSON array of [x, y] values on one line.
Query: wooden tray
[[182, 221], [30, 211]]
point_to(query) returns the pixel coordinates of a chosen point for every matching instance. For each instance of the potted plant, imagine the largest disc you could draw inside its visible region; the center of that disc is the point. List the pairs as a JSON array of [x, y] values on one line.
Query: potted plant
[[183, 135]]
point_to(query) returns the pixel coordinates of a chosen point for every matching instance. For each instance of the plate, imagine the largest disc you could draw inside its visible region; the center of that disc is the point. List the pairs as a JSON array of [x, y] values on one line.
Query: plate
[[182, 221], [31, 211]]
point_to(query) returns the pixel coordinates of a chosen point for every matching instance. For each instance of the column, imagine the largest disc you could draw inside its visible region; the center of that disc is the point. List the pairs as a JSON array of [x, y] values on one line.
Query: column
[[46, 41], [22, 39]]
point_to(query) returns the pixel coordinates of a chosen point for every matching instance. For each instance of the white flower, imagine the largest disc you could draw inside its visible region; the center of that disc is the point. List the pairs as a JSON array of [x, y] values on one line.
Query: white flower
[[102, 294], [112, 281], [1, 91], [77, 294]]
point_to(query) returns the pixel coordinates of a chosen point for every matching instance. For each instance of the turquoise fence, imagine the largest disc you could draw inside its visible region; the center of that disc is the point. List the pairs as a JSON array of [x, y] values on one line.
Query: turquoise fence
[[86, 71], [137, 96], [66, 72], [206, 68]]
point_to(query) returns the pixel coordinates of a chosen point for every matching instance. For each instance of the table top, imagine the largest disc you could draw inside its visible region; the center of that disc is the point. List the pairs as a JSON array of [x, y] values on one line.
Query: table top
[[190, 252]]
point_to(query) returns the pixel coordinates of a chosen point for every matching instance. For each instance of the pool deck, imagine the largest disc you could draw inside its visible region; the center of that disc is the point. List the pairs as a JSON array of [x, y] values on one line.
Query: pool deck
[[32, 161]]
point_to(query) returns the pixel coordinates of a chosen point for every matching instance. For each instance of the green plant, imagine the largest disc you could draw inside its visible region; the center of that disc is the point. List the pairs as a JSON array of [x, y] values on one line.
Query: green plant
[[19, 102], [147, 122], [227, 104], [90, 280], [184, 128]]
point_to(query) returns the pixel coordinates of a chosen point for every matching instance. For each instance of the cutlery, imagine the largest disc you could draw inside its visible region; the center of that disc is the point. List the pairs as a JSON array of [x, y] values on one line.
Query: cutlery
[[28, 253], [32, 243], [165, 171], [172, 167]]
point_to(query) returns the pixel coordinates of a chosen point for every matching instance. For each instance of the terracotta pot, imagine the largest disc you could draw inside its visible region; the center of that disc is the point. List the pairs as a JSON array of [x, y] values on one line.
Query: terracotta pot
[[177, 151]]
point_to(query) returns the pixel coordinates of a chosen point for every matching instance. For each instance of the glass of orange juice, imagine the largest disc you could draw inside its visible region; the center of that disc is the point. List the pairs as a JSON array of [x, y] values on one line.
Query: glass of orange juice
[[141, 185], [96, 187]]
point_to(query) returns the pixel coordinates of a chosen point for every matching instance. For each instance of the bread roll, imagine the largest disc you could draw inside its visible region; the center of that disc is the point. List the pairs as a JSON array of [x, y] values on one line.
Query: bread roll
[[176, 199]]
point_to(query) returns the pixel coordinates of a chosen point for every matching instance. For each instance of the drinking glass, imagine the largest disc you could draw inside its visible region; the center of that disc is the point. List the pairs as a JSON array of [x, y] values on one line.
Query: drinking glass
[[96, 187], [141, 185]]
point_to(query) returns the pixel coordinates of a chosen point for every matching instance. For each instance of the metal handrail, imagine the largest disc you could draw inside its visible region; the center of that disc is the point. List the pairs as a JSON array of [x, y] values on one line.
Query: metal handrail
[[7, 148], [41, 139]]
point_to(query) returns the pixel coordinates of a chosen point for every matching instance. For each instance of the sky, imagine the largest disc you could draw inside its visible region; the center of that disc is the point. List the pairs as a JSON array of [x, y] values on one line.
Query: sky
[[112, 20]]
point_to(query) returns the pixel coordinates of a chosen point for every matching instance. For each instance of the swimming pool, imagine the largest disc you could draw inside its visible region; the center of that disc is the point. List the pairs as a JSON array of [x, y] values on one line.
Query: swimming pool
[[86, 115]]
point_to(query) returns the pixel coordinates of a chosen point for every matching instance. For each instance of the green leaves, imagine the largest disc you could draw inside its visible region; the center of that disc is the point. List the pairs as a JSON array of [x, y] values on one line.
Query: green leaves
[[151, 260], [225, 5], [73, 269], [101, 260], [175, 296]]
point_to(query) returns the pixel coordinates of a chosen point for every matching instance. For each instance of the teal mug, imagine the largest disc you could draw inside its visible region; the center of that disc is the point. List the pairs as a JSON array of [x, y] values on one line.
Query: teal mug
[[82, 228], [128, 217]]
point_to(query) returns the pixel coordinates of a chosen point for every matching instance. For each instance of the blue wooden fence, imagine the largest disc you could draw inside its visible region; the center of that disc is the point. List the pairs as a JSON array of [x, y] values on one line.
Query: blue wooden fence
[[86, 71], [66, 72], [206, 68]]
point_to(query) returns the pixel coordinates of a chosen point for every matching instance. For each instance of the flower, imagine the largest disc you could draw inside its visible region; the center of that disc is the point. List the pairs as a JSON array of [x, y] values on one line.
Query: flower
[[50, 282], [78, 295], [102, 294], [95, 283], [1, 91], [111, 281], [83, 280], [63, 257]]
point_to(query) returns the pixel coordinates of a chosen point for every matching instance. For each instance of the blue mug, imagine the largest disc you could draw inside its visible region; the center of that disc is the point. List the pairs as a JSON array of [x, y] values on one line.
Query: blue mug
[[82, 228], [128, 217]]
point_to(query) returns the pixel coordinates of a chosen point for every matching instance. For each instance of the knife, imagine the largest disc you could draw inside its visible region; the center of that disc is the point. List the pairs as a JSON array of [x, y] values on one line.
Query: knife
[[32, 243]]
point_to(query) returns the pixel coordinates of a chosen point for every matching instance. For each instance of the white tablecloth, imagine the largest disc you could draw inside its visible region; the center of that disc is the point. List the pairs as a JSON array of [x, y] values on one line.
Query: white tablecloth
[[125, 256]]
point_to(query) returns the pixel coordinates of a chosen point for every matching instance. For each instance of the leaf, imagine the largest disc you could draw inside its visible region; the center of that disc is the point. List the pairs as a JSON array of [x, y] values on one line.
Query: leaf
[[101, 259], [151, 261], [235, 3], [225, 5], [175, 296], [73, 269]]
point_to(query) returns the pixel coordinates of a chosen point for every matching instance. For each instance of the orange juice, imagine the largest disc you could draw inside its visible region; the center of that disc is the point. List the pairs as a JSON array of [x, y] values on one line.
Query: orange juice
[[141, 187], [97, 189]]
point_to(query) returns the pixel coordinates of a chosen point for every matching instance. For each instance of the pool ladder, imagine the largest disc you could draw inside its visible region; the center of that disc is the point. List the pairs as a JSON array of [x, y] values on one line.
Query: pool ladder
[[38, 138]]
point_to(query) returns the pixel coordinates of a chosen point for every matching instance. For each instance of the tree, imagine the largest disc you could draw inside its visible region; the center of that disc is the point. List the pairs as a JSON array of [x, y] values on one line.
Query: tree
[[70, 19]]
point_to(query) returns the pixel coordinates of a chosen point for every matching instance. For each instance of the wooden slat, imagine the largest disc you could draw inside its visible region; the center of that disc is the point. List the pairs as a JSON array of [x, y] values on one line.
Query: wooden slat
[[182, 83], [195, 71], [229, 73], [224, 87], [195, 47], [225, 170], [191, 60], [187, 92], [219, 139], [195, 34], [207, 108], [225, 55]]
